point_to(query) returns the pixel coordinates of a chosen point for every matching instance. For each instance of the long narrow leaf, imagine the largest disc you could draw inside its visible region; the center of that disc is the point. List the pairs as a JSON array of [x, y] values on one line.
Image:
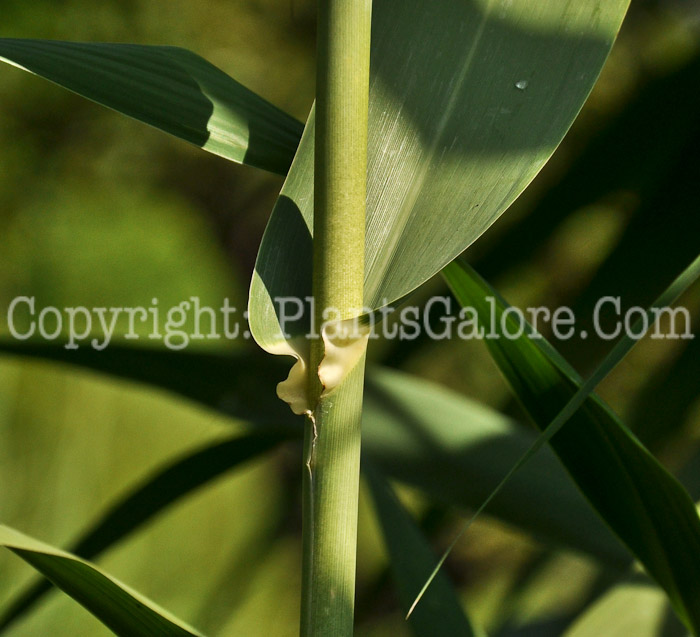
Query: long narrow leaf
[[238, 383], [425, 435], [119, 608], [645, 506], [170, 88], [408, 429], [411, 555], [148, 500]]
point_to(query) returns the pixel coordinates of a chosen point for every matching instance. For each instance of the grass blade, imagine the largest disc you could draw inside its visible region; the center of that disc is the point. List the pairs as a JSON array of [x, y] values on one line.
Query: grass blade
[[468, 100], [410, 556], [170, 88], [643, 504], [147, 500], [119, 608]]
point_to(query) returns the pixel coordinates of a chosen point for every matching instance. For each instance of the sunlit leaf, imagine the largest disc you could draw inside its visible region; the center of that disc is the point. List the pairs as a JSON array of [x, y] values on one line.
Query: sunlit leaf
[[147, 500], [633, 607], [467, 102], [119, 608], [409, 431], [170, 88]]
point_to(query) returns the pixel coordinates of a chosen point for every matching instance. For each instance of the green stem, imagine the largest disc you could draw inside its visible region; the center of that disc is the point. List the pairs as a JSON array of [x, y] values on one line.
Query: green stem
[[332, 441]]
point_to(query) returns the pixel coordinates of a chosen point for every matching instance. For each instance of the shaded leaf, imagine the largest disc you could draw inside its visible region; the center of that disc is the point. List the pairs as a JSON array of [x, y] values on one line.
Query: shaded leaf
[[410, 557], [457, 450], [237, 383], [645, 506], [170, 88]]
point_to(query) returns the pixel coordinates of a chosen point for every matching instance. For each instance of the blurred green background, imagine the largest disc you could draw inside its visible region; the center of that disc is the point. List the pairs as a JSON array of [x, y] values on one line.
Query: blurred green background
[[96, 209]]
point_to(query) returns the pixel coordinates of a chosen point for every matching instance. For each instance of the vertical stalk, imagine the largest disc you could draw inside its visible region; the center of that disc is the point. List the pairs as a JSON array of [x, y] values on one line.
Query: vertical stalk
[[332, 440]]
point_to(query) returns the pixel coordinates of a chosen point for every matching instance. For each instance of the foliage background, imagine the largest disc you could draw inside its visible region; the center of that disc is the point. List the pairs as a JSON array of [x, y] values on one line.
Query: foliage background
[[96, 209]]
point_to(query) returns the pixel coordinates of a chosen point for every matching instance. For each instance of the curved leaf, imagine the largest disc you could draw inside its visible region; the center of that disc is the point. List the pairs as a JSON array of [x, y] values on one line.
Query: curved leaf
[[468, 100], [408, 430], [170, 88], [645, 505], [149, 499], [119, 608], [457, 451]]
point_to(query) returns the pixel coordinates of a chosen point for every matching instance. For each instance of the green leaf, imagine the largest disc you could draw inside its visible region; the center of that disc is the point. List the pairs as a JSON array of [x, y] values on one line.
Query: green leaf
[[457, 450], [149, 499], [119, 608], [633, 607], [642, 503], [410, 558], [653, 167], [169, 88], [238, 383], [468, 100], [408, 430]]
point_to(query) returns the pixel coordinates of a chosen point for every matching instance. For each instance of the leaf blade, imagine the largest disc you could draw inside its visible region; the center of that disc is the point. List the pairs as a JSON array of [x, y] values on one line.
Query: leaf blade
[[646, 507], [148, 499], [122, 610], [169, 88], [410, 556], [453, 140]]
